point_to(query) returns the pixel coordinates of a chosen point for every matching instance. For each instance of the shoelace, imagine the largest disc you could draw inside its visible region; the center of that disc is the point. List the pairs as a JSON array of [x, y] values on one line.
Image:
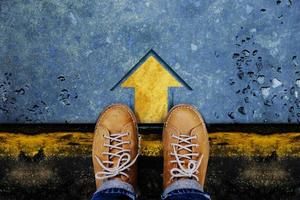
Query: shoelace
[[193, 165], [123, 155]]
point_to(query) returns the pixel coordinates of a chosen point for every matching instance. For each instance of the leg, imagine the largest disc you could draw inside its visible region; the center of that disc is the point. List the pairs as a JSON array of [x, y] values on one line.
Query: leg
[[185, 190], [115, 151], [186, 152], [113, 194]]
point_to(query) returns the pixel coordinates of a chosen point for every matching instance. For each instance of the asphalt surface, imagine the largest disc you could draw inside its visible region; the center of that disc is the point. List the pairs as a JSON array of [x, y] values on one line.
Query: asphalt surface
[[67, 178]]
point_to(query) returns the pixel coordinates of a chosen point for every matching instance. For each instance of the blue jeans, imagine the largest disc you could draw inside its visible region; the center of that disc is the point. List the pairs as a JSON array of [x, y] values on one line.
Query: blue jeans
[[180, 190], [114, 193], [186, 194]]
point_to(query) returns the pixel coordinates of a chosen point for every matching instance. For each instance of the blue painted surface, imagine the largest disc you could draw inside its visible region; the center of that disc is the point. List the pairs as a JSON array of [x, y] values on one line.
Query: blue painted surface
[[59, 59]]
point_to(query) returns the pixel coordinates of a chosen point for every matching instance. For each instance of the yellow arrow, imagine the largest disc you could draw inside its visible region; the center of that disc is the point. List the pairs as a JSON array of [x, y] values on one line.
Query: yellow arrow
[[151, 80]]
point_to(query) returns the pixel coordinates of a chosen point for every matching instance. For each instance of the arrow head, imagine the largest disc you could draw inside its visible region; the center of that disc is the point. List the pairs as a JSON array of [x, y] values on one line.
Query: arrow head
[[151, 74]]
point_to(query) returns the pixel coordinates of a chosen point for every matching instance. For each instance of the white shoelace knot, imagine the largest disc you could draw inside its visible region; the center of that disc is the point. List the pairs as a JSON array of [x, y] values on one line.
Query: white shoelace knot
[[123, 155]]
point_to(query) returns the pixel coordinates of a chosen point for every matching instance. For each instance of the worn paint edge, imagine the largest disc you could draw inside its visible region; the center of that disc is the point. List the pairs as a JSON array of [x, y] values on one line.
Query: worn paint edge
[[224, 144]]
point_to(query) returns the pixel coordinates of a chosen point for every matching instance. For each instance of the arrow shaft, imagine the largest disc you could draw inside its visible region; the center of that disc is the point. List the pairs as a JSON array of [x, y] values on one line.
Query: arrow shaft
[[151, 106]]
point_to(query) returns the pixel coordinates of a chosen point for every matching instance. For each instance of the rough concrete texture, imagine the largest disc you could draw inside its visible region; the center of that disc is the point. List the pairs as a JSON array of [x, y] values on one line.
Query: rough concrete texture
[[61, 58], [64, 178]]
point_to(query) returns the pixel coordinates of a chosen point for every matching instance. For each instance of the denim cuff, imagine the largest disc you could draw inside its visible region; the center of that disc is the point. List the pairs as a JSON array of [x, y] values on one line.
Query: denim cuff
[[184, 194], [102, 194], [116, 187], [116, 184], [183, 184]]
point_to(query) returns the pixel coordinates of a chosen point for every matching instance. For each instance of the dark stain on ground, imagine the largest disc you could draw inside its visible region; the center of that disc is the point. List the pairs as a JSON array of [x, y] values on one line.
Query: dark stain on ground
[[259, 79], [73, 178], [34, 111], [66, 137], [73, 143]]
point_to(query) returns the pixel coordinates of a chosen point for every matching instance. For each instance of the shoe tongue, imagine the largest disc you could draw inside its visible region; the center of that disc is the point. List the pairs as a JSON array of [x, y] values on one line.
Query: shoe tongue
[[116, 159], [184, 151]]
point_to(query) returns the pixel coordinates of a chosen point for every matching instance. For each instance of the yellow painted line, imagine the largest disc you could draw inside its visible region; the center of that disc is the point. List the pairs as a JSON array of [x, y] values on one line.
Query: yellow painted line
[[52, 144], [225, 144], [243, 144], [151, 82]]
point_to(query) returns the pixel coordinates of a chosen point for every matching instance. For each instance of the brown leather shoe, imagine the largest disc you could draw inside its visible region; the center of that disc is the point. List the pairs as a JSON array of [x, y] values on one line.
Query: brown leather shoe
[[185, 145], [115, 145]]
